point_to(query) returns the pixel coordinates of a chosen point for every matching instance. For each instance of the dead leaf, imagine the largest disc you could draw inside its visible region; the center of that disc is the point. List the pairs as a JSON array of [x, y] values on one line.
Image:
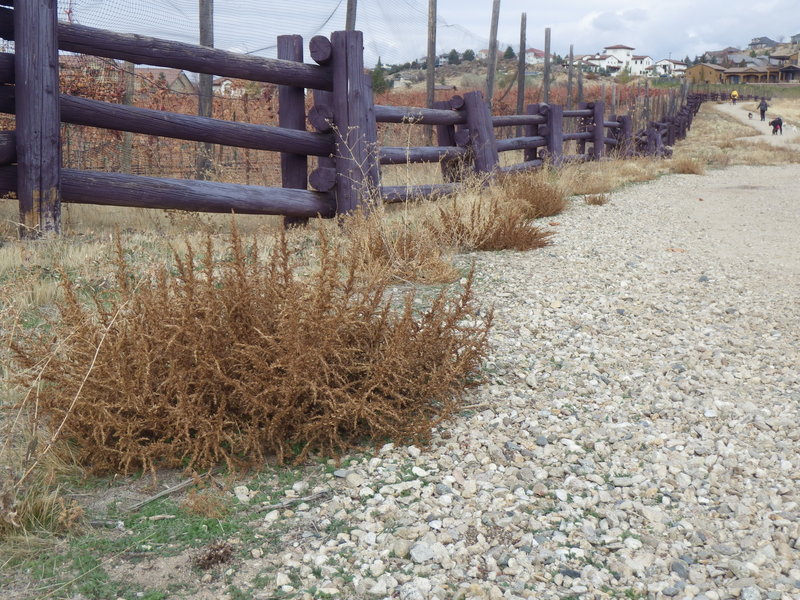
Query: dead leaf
[[554, 223], [675, 250]]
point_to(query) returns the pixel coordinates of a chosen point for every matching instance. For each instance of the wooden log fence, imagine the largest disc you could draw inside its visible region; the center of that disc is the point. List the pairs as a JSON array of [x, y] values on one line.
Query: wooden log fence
[[343, 132]]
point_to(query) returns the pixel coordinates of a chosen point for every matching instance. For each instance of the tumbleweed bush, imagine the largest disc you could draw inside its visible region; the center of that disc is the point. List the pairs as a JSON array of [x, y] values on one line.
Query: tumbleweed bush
[[234, 359]]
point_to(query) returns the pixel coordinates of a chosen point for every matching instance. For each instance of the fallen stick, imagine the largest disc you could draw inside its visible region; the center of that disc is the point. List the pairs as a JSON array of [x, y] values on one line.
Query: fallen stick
[[173, 490]]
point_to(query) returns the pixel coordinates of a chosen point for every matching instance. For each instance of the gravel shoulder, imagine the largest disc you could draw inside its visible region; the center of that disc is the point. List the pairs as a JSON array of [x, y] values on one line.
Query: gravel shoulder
[[636, 436]]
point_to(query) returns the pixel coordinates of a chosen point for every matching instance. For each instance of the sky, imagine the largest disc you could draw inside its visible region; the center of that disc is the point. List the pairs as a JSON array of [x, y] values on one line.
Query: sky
[[395, 30]]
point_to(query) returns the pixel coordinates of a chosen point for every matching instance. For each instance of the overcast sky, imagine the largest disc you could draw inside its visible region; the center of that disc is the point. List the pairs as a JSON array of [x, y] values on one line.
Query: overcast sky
[[395, 30]]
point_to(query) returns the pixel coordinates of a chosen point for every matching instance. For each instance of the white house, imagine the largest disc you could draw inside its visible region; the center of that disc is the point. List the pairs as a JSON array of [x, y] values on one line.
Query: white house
[[621, 52], [482, 54], [639, 64], [534, 56], [602, 62], [669, 67]]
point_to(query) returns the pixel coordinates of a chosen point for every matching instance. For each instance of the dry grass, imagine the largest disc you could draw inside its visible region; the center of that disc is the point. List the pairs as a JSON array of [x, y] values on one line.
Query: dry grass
[[228, 361], [597, 199], [714, 142], [687, 166], [485, 222], [606, 176], [538, 193]]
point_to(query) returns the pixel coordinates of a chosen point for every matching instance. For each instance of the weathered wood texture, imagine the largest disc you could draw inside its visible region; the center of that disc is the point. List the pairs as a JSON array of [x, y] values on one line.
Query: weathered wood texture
[[421, 154], [422, 116], [402, 193], [140, 49], [38, 125], [95, 113], [292, 115], [598, 130], [6, 67], [481, 133], [91, 187], [8, 147], [356, 150]]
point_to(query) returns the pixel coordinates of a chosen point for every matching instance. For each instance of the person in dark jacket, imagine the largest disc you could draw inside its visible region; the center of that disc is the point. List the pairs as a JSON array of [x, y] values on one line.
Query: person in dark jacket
[[777, 126], [762, 108]]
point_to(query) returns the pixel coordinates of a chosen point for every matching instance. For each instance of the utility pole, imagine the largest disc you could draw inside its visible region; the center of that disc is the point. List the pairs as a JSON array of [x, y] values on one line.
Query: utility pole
[[430, 73], [492, 60], [205, 90], [570, 69], [546, 82], [350, 19], [521, 68]]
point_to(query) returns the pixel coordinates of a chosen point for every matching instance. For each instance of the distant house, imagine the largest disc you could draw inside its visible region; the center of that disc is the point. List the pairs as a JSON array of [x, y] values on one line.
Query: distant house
[[639, 64], [795, 39], [761, 42], [705, 73], [720, 57], [482, 54], [174, 80], [225, 86], [669, 68], [621, 52], [602, 62], [534, 56]]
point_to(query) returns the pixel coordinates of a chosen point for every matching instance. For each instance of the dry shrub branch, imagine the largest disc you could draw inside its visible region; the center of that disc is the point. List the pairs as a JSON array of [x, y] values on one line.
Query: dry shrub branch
[[231, 360]]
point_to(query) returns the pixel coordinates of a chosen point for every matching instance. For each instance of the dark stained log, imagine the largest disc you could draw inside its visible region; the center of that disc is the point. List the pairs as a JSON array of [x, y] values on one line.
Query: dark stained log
[[412, 114], [38, 125], [521, 143], [583, 125], [325, 101], [456, 102], [625, 146], [402, 155], [356, 150], [532, 130], [320, 49], [578, 135], [528, 165], [95, 113], [8, 147], [610, 141], [613, 122], [446, 137], [505, 120], [578, 112], [6, 67], [402, 193], [462, 137], [323, 179], [321, 117], [598, 140], [554, 131], [372, 132], [292, 115], [140, 49], [481, 133], [116, 189]]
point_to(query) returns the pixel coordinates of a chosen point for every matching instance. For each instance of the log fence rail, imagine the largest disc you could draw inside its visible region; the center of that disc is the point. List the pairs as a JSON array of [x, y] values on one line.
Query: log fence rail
[[342, 134]]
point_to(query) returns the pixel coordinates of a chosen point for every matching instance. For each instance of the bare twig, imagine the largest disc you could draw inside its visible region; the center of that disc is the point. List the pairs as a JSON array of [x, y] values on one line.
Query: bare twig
[[173, 490]]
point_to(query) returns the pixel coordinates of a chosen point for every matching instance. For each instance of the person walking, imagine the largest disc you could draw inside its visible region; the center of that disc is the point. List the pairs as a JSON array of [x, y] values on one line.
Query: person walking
[[762, 108], [734, 96]]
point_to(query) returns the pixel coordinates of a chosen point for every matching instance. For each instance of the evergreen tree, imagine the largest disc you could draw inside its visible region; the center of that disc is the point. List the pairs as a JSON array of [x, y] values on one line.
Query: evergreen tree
[[453, 58], [379, 83], [509, 53], [468, 56]]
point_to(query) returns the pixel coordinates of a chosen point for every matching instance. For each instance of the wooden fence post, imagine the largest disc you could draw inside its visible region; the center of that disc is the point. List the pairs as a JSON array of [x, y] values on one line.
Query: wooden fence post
[[292, 115], [446, 136], [625, 138], [481, 133], [599, 130], [530, 131], [38, 117], [356, 153], [554, 131]]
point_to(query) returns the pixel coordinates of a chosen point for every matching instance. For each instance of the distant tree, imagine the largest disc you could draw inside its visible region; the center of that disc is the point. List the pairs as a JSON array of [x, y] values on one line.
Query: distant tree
[[453, 58], [687, 60], [713, 60], [509, 53], [379, 83], [468, 56], [752, 53]]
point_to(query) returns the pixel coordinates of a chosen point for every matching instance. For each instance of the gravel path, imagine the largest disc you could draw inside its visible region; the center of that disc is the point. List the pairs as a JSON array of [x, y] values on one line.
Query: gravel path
[[637, 436]]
